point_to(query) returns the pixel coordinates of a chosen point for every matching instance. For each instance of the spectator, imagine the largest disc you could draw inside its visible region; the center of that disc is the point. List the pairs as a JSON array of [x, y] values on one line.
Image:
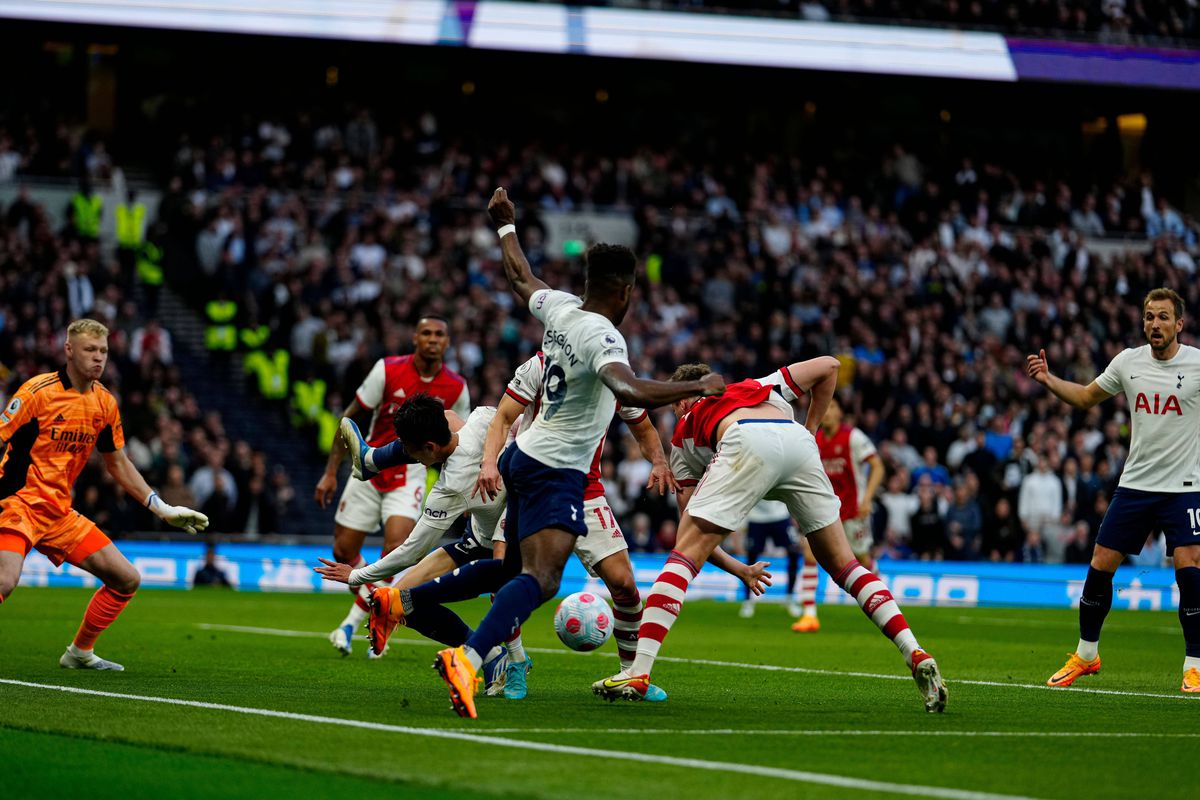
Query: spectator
[[928, 526], [210, 574], [1041, 499], [931, 469], [964, 525], [1003, 537]]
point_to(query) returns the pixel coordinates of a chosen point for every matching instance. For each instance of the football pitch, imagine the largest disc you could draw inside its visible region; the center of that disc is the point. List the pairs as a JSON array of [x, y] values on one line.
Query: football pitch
[[240, 695]]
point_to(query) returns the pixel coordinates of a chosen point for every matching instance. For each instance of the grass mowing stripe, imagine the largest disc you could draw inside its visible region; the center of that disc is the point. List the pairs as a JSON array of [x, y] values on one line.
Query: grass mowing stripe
[[738, 665], [1012, 622], [799, 776]]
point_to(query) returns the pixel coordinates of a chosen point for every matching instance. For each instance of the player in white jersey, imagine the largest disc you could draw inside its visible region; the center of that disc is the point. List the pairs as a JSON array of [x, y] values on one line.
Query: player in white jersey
[[431, 436], [545, 470], [391, 499], [1160, 485]]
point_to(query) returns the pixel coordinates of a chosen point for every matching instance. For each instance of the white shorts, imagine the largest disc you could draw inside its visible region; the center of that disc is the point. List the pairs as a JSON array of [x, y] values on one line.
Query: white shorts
[[772, 459], [365, 508], [858, 533], [604, 536]]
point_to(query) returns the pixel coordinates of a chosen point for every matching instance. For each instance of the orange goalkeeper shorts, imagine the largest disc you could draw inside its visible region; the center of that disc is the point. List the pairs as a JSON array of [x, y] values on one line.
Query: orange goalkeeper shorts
[[70, 537]]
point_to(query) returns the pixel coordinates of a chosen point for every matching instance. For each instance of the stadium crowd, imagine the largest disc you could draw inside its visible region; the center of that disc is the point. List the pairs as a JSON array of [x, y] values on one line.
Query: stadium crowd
[[1112, 21], [47, 279], [930, 284]]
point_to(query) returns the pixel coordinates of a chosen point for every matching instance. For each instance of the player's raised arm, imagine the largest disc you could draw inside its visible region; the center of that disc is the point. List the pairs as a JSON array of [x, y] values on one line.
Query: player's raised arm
[[516, 266], [630, 390], [1074, 394]]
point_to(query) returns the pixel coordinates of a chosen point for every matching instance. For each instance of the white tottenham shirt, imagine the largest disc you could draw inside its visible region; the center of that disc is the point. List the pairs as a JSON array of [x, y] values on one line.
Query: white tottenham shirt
[[1164, 401], [576, 405], [448, 500]]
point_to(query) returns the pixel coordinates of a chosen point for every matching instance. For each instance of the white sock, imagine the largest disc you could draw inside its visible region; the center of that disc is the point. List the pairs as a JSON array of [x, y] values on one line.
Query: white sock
[[355, 618], [1191, 662], [1088, 651], [475, 659], [78, 653], [516, 649], [369, 460]]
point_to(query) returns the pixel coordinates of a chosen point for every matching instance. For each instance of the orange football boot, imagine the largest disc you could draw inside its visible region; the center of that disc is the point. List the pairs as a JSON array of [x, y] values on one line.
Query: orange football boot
[[1074, 669], [459, 675], [386, 613], [1191, 681], [806, 624]]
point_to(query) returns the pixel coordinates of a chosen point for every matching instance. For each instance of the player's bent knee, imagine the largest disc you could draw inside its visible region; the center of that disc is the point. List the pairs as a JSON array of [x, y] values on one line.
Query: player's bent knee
[[127, 582], [549, 584]]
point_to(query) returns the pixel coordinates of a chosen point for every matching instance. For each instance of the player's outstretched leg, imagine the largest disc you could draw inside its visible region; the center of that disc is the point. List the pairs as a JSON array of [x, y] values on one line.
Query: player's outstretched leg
[[616, 571], [832, 552], [662, 609], [808, 622], [1094, 605], [121, 582], [1188, 578]]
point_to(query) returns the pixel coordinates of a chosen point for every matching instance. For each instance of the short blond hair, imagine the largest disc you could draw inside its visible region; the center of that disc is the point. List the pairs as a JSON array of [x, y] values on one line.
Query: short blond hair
[[86, 327]]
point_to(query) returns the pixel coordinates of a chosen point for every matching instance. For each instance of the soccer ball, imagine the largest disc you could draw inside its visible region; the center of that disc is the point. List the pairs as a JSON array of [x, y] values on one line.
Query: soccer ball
[[583, 621]]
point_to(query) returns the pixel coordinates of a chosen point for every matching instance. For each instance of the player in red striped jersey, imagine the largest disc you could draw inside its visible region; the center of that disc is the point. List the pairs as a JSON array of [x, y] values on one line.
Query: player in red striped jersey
[[846, 454], [729, 452]]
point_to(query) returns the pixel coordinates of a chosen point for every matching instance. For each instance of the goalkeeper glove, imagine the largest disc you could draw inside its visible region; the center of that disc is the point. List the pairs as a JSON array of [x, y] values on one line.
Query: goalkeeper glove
[[179, 516]]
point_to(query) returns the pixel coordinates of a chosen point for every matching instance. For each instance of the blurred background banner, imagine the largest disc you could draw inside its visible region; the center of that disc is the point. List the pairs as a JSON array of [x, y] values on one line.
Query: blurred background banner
[[288, 568], [648, 34]]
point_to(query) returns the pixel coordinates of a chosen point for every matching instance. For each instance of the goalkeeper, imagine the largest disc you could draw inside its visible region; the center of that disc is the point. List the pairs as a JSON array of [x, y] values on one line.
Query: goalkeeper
[[47, 433]]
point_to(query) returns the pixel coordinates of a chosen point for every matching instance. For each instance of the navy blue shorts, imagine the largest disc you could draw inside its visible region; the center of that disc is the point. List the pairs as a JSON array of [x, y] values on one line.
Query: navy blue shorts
[[1133, 515], [759, 533], [540, 496], [467, 548]]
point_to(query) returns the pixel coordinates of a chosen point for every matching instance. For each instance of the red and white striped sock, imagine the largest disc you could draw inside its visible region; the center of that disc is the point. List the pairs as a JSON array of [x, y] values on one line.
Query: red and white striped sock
[[877, 603], [808, 588], [362, 599], [627, 618], [662, 609], [516, 647]]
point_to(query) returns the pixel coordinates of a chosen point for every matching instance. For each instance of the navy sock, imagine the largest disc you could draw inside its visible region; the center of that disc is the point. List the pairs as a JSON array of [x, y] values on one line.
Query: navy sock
[[793, 569], [1188, 579], [512, 606], [391, 454], [439, 624], [1094, 603], [465, 583]]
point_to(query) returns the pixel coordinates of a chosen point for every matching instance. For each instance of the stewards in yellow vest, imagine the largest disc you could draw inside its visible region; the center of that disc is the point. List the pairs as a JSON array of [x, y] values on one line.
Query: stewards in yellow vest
[[221, 334], [131, 223], [86, 210]]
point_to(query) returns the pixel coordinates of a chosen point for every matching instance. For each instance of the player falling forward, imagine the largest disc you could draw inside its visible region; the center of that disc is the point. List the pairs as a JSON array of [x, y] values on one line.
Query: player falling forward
[[1160, 485], [728, 453], [393, 497], [846, 453], [545, 469], [47, 433]]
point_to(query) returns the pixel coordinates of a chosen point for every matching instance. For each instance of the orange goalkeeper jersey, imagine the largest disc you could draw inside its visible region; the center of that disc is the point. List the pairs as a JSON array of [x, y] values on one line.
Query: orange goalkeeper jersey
[[51, 430]]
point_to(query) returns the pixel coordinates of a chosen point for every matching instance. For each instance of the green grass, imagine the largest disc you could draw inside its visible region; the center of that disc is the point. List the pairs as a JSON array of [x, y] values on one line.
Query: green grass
[[56, 742]]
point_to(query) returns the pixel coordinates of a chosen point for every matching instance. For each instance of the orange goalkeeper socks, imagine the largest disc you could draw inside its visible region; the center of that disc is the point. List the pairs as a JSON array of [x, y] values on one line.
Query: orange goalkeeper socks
[[105, 606]]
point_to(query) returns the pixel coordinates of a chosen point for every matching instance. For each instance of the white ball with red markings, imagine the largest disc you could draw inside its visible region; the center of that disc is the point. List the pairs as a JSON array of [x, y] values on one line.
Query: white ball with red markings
[[583, 621]]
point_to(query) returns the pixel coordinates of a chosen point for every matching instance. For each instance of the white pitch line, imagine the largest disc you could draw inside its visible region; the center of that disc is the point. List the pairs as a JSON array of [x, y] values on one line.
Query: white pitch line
[[739, 665], [1012, 622], [798, 776], [784, 732]]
